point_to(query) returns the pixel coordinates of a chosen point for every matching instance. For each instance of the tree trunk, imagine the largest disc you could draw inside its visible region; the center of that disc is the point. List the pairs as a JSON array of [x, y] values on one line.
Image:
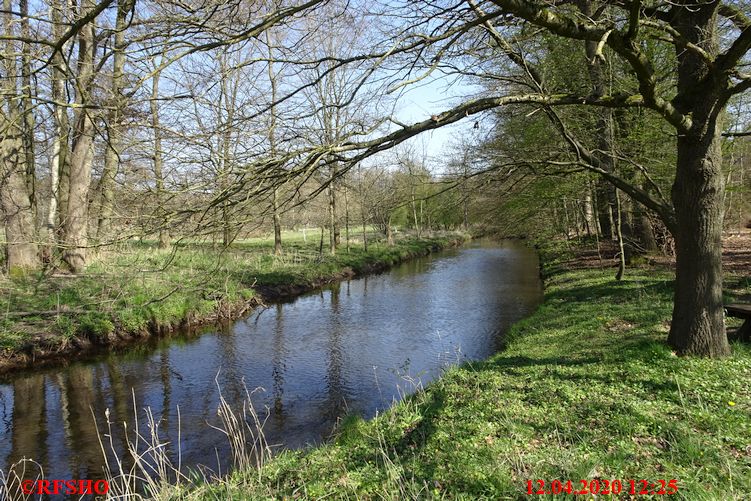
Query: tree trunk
[[161, 213], [60, 178], [346, 216], [364, 236], [112, 149], [77, 217], [619, 233], [28, 113], [277, 226], [15, 203], [698, 324], [272, 147], [21, 249], [76, 223], [333, 227], [598, 77], [643, 229]]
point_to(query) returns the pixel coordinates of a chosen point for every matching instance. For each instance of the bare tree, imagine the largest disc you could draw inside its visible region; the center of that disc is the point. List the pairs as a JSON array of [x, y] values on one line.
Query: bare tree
[[17, 207], [113, 148]]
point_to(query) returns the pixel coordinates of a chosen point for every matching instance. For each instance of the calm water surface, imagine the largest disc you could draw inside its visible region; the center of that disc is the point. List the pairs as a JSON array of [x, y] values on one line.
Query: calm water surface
[[350, 348]]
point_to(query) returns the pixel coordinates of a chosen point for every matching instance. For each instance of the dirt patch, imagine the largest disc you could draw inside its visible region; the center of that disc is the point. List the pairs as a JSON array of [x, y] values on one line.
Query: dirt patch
[[736, 256]]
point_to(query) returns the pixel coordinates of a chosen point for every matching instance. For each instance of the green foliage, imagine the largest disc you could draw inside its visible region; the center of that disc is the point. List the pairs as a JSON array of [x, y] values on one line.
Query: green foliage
[[95, 325], [64, 327], [11, 340]]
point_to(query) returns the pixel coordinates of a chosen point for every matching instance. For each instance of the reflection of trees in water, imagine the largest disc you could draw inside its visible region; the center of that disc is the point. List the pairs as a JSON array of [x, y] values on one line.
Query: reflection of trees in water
[[29, 425], [86, 457], [120, 395], [278, 365], [336, 404], [231, 377], [166, 378]]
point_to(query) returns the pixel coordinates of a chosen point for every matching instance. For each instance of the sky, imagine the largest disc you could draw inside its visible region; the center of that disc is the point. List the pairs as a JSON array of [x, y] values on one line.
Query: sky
[[421, 101]]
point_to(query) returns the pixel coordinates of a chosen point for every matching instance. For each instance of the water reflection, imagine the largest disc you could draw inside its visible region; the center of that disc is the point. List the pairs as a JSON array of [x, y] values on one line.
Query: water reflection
[[346, 349]]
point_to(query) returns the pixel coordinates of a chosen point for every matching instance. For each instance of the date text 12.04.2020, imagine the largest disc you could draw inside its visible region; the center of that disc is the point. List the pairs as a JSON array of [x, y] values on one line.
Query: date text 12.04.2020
[[630, 486]]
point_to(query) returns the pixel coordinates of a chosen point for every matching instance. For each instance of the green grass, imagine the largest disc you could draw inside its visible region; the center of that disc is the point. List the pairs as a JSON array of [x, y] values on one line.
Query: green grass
[[136, 287], [585, 389]]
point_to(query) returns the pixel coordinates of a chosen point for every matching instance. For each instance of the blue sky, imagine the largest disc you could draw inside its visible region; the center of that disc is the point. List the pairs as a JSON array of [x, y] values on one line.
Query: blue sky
[[420, 101]]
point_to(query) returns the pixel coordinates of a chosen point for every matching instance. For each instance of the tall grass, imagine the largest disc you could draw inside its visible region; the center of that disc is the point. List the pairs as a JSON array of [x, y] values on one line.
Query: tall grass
[[146, 470]]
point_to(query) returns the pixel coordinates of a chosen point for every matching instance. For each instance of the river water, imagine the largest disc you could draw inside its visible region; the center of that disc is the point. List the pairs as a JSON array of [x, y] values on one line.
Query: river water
[[350, 348]]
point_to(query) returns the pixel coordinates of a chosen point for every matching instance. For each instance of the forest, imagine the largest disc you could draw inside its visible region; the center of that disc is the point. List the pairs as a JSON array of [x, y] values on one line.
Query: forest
[[170, 167]]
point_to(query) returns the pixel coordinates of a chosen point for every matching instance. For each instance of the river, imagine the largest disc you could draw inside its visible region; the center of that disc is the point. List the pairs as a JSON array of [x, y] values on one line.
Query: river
[[350, 348]]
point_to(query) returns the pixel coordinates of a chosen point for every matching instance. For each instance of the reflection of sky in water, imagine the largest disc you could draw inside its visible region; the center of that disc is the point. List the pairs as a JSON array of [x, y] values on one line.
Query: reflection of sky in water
[[351, 348]]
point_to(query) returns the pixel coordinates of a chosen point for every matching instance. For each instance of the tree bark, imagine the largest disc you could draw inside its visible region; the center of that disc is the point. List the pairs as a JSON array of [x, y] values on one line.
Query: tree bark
[[272, 149], [17, 210], [60, 167], [164, 236], [28, 113], [333, 226], [76, 223], [277, 226], [346, 216], [619, 234], [21, 248], [643, 229], [698, 326], [389, 233], [113, 147]]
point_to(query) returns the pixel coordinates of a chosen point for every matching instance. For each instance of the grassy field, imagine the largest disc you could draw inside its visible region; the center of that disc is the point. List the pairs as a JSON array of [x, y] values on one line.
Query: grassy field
[[587, 389], [136, 289]]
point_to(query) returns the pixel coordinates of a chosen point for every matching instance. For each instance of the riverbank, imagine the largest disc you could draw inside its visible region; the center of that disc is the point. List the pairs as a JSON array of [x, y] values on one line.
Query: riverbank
[[586, 389], [137, 291]]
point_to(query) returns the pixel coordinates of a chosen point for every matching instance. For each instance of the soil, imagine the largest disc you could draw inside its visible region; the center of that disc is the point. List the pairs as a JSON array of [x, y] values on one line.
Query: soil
[[736, 255]]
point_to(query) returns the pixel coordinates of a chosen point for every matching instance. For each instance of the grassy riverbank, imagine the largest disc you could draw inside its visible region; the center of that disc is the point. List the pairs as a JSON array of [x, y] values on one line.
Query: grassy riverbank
[[587, 389], [136, 290]]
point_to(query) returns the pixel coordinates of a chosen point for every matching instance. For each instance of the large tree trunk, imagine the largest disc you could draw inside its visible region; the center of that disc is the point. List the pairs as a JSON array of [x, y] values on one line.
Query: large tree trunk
[[643, 229], [15, 203], [57, 213], [698, 325], [21, 248], [77, 217]]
